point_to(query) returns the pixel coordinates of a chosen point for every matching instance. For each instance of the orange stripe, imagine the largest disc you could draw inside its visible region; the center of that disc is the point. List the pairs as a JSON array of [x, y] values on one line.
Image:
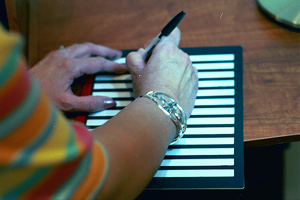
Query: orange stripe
[[96, 174], [9, 41], [14, 91], [53, 181], [27, 132], [83, 138]]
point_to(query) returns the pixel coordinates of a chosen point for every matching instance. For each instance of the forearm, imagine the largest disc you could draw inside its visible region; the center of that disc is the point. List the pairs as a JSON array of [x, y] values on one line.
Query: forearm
[[136, 140]]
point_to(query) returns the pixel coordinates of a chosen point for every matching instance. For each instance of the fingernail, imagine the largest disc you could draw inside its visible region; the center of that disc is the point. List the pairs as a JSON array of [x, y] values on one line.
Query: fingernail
[[109, 103]]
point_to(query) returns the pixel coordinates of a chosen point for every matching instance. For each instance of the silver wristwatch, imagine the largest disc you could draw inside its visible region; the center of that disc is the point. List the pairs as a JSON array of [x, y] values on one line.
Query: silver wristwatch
[[172, 109]]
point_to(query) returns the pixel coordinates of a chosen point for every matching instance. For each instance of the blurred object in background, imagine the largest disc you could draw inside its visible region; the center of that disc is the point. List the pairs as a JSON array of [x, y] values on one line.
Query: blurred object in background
[[286, 12]]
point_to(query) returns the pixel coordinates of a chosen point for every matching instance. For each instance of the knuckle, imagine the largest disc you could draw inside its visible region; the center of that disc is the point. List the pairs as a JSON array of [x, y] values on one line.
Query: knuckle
[[186, 58], [75, 45], [178, 31], [167, 46], [94, 104], [66, 63], [65, 104], [130, 56], [54, 54], [195, 78], [89, 44], [195, 72], [169, 51], [131, 62]]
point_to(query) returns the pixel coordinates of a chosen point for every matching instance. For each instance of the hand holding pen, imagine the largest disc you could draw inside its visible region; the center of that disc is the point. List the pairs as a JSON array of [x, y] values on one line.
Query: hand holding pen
[[169, 70], [164, 33]]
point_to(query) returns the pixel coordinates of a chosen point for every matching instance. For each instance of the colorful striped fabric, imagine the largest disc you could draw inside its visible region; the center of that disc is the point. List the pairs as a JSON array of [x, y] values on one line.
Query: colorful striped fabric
[[42, 155]]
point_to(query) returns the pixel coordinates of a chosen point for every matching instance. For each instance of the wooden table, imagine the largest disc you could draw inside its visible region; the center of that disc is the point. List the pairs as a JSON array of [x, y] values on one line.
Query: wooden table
[[271, 52]]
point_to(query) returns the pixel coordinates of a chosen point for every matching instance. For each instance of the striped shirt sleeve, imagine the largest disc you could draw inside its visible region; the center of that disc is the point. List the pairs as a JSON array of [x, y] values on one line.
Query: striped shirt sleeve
[[42, 155]]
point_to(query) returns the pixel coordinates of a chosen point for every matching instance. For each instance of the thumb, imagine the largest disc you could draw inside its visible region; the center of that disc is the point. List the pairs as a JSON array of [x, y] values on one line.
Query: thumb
[[135, 61], [92, 103]]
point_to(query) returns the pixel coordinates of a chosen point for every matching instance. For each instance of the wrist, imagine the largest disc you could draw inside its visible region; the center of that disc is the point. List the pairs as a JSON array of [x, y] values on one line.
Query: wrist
[[160, 122], [171, 109]]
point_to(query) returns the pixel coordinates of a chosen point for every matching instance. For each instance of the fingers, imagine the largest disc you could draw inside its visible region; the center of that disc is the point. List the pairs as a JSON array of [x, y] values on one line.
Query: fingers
[[86, 103], [135, 61], [88, 49], [93, 65], [93, 103], [174, 37]]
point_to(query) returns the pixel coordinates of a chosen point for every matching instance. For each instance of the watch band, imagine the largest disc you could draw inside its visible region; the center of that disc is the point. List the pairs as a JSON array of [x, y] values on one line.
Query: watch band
[[172, 109]]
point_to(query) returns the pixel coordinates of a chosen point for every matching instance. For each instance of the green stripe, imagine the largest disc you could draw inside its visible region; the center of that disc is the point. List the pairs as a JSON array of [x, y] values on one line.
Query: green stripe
[[66, 191], [106, 167], [11, 63], [71, 149], [20, 189], [21, 114], [25, 157]]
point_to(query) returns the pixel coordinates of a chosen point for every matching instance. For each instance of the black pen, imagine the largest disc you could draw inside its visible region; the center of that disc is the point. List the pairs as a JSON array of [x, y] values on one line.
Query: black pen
[[164, 32]]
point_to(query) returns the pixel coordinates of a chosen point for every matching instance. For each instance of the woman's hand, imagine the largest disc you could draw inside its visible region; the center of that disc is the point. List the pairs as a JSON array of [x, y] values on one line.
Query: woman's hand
[[168, 70], [57, 71], [141, 131]]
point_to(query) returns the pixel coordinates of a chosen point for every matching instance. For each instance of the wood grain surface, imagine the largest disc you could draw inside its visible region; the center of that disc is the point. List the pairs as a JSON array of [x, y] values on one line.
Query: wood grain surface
[[271, 52]]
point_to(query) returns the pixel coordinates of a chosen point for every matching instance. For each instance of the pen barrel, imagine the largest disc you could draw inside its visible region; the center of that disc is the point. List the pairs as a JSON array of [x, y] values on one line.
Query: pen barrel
[[151, 46]]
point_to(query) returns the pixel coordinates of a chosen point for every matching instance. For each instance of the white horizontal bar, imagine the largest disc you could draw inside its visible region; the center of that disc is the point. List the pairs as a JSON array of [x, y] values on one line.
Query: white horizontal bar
[[191, 121], [95, 122], [105, 113], [216, 83], [99, 86], [213, 111], [200, 93], [195, 173], [123, 103], [209, 131], [113, 94], [212, 57], [216, 92], [220, 101], [113, 77], [214, 66], [121, 60], [210, 120], [202, 84], [205, 141], [198, 162], [196, 58], [200, 151], [225, 74]]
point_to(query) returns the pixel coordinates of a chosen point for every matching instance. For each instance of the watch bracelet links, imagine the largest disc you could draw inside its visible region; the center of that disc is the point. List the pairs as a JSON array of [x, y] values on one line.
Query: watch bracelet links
[[172, 109]]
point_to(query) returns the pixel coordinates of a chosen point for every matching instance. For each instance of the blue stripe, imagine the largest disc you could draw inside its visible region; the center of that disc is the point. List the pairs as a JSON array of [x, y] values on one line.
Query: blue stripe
[[12, 62], [24, 158], [20, 189], [66, 191], [20, 114], [103, 178], [72, 149]]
